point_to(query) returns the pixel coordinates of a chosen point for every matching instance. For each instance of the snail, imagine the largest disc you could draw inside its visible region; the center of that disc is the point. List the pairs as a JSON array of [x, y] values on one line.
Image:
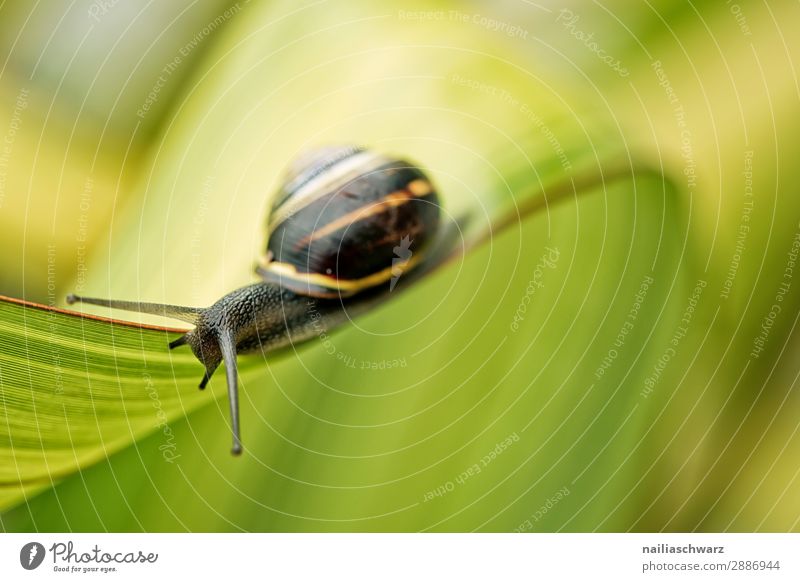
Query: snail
[[345, 226]]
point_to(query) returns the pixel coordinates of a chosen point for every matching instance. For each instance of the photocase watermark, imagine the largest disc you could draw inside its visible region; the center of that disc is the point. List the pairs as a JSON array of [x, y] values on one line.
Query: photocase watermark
[[486, 88], [744, 227], [83, 233], [489, 23], [168, 448], [7, 147], [569, 20], [626, 329], [71, 559], [347, 360], [402, 254], [768, 322], [739, 16], [473, 470], [360, 364], [546, 507], [100, 8], [686, 148], [173, 65], [475, 18], [31, 555], [509, 100], [674, 343], [547, 261], [58, 372]]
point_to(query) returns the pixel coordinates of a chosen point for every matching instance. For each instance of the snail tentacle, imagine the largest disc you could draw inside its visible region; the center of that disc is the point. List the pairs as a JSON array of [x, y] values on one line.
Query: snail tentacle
[[187, 314], [228, 347]]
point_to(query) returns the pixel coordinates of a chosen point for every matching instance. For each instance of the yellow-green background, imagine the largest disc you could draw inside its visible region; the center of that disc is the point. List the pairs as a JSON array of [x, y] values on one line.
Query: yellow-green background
[[176, 211]]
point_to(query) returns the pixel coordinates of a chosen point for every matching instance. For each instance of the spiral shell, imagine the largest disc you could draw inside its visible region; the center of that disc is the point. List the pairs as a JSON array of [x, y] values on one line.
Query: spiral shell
[[348, 220]]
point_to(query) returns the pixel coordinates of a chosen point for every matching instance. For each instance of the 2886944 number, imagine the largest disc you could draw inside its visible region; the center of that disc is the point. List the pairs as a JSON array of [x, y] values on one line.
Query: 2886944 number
[[749, 565]]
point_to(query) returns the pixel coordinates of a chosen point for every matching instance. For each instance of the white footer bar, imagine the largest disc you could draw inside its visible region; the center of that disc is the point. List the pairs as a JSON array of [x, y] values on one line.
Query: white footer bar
[[415, 557]]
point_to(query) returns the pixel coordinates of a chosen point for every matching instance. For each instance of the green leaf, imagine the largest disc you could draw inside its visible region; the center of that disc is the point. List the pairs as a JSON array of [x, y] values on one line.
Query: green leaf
[[490, 173], [75, 389]]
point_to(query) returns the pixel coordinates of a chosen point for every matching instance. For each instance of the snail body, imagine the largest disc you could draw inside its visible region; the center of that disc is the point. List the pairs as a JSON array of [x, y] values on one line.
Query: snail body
[[346, 225]]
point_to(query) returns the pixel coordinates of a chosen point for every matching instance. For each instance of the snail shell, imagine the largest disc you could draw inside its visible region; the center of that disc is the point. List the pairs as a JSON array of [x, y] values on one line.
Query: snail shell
[[347, 220]]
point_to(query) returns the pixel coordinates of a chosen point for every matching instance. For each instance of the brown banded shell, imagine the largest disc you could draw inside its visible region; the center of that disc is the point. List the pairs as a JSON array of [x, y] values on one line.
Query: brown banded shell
[[347, 220]]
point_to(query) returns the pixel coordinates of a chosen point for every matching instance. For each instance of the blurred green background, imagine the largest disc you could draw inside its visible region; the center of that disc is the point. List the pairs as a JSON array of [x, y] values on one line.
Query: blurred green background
[[141, 146]]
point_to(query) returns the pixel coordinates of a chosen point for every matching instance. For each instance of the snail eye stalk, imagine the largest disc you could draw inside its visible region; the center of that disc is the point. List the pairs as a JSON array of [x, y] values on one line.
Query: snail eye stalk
[[228, 348], [187, 314]]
